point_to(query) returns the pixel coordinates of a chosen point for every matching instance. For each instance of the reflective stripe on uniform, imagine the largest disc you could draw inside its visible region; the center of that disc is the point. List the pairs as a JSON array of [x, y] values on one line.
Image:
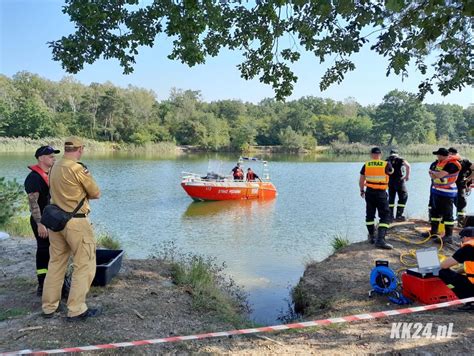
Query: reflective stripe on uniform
[[370, 223], [461, 213], [384, 225], [401, 205], [391, 205], [41, 271], [449, 223], [436, 219]]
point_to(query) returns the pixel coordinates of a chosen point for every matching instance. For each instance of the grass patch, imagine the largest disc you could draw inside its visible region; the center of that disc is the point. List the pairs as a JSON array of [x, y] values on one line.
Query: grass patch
[[12, 313], [18, 226], [204, 279], [106, 240], [339, 241]]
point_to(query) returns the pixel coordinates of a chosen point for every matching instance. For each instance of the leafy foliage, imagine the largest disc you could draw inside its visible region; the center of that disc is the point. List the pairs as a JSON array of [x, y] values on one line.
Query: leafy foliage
[[33, 107], [11, 199], [272, 35]]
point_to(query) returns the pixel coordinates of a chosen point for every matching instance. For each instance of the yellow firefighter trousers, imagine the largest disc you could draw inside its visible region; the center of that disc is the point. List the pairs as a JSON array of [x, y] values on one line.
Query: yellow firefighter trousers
[[77, 239]]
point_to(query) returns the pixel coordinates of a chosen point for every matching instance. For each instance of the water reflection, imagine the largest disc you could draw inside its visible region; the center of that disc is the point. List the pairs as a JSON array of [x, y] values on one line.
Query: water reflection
[[238, 208]]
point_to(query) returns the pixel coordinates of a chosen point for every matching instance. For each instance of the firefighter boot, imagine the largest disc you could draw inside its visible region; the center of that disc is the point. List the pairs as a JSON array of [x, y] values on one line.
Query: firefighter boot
[[433, 231], [39, 290], [380, 242], [371, 235], [400, 216], [448, 237]]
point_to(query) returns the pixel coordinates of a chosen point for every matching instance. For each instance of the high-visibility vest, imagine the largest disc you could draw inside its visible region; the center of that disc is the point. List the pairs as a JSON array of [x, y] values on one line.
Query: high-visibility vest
[[469, 265], [446, 186], [375, 176]]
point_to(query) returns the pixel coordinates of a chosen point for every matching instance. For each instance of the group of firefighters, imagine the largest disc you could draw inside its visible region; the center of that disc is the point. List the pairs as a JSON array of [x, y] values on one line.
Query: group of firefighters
[[238, 173], [68, 181], [451, 177]]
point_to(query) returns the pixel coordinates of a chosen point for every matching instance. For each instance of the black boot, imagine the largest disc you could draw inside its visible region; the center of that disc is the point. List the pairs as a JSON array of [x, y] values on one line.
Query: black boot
[[400, 216], [39, 290], [448, 237], [433, 231], [371, 238], [380, 242]]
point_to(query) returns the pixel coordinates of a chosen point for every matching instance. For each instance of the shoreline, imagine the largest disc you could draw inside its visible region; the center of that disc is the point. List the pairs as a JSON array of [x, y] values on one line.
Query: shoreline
[[144, 286], [28, 145]]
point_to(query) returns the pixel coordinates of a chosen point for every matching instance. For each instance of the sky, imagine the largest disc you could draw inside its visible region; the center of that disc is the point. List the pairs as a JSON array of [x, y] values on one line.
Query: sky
[[27, 25]]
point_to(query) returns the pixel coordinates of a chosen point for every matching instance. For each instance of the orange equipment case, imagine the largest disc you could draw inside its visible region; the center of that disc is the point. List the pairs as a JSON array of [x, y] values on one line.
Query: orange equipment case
[[427, 290]]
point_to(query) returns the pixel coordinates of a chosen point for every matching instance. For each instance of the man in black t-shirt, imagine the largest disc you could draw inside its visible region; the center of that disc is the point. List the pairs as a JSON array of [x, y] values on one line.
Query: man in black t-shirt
[[37, 188], [396, 184], [443, 173], [462, 183], [462, 285]]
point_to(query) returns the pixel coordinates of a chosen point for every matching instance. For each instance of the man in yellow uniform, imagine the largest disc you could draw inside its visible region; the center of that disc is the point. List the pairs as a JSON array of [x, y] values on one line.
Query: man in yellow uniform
[[374, 176], [70, 182]]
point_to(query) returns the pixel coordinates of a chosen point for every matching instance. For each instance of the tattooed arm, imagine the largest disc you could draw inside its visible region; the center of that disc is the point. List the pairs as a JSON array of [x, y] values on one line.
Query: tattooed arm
[[36, 213]]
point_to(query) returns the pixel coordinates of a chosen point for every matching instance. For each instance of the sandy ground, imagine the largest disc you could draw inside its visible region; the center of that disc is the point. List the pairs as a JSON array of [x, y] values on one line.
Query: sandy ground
[[143, 303]]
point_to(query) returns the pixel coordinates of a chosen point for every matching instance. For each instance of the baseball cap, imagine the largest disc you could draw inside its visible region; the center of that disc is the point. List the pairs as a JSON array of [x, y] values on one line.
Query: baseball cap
[[375, 150], [441, 151], [73, 141], [452, 150], [394, 151], [45, 150]]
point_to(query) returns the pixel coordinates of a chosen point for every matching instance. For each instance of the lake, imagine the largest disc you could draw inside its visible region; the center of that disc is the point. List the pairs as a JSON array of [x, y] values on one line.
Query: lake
[[265, 244]]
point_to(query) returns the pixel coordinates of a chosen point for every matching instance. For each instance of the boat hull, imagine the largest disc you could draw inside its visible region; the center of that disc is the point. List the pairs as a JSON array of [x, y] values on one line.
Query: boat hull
[[201, 190]]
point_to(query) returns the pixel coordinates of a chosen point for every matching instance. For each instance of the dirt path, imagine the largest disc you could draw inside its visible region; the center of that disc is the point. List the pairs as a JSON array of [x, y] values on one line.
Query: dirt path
[[336, 286]]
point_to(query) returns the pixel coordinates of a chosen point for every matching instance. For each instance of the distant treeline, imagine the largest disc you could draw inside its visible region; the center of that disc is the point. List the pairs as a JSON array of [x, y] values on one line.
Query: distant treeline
[[34, 107]]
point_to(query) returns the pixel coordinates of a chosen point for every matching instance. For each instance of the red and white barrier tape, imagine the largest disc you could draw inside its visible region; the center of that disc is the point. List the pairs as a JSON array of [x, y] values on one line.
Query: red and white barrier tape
[[344, 319]]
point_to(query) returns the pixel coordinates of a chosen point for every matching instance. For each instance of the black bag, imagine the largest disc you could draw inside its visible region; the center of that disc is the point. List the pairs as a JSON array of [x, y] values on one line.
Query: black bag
[[55, 218]]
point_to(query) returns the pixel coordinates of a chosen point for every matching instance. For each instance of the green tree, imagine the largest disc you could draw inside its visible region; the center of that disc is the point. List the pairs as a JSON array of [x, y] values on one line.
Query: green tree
[[272, 34], [403, 119], [31, 119], [11, 197]]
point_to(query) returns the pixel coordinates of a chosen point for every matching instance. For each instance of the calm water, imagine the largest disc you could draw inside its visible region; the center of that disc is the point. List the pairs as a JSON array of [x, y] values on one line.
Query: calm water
[[264, 244]]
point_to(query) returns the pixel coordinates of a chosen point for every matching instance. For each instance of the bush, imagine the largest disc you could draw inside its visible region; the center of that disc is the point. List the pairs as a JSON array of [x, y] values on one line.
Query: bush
[[106, 240], [11, 199], [339, 242]]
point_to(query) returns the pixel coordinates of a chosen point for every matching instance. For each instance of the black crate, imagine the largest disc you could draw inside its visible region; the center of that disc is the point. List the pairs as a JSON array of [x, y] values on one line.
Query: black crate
[[108, 265]]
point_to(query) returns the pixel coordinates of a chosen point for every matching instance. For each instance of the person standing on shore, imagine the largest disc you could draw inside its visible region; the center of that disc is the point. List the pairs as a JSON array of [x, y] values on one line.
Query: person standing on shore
[[443, 173], [462, 184], [71, 184], [373, 184], [397, 186], [37, 189]]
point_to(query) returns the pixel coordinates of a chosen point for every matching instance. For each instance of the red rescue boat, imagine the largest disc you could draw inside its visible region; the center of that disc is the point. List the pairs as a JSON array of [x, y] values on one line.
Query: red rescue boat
[[215, 186]]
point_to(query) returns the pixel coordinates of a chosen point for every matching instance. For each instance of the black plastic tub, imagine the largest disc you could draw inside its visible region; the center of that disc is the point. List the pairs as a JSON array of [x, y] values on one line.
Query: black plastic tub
[[108, 265]]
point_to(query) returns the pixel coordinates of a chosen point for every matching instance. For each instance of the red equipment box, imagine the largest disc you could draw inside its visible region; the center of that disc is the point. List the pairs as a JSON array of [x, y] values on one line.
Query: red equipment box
[[428, 290]]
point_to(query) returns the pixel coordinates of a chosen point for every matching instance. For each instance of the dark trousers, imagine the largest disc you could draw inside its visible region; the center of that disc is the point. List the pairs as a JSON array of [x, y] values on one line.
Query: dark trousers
[[461, 201], [400, 189], [376, 202], [42, 252], [442, 209], [462, 287]]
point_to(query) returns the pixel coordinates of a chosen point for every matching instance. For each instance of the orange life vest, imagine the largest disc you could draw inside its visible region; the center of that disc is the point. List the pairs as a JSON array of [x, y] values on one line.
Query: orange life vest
[[251, 176], [36, 168], [447, 185], [469, 265], [375, 176]]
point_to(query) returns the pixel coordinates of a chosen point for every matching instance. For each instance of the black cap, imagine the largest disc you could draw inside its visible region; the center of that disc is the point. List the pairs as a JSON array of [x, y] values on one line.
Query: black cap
[[467, 232], [441, 151], [375, 150], [45, 150], [452, 150], [394, 151]]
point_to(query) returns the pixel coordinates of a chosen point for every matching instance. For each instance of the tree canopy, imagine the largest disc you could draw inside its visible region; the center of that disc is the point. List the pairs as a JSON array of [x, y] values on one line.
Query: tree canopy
[[31, 106], [273, 34]]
